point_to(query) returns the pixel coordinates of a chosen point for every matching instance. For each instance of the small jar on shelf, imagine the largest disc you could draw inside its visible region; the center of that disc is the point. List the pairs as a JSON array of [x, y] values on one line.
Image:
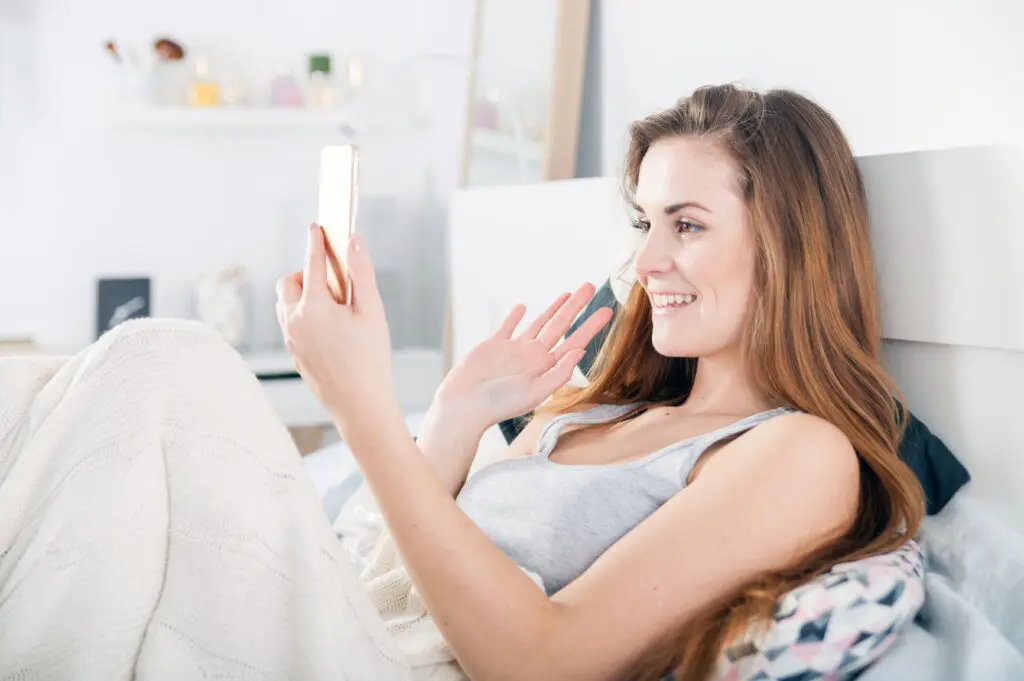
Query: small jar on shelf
[[322, 90], [284, 90], [203, 91]]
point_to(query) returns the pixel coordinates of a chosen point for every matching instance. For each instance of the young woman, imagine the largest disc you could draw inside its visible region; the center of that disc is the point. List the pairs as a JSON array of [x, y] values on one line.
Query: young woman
[[737, 437]]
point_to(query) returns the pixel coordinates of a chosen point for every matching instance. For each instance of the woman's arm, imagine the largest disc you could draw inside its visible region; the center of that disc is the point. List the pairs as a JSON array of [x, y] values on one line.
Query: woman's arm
[[448, 446], [781, 490], [451, 447]]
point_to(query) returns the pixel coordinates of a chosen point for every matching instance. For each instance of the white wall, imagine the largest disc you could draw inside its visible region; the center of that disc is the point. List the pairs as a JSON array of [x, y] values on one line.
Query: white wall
[[900, 75], [82, 198], [970, 397]]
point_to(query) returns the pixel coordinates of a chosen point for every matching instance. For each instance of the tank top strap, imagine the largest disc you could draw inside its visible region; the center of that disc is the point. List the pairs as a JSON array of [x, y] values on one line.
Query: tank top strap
[[701, 443], [601, 413]]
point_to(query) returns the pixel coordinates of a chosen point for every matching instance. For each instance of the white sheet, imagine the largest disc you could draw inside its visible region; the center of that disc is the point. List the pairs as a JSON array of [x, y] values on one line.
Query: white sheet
[[972, 624], [336, 475]]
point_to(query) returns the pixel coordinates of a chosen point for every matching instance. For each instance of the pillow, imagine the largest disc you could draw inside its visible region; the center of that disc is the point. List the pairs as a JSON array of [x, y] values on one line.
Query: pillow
[[941, 474], [835, 625]]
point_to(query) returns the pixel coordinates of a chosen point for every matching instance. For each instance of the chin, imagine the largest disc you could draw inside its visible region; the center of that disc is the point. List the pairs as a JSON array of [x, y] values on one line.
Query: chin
[[671, 345], [683, 342]]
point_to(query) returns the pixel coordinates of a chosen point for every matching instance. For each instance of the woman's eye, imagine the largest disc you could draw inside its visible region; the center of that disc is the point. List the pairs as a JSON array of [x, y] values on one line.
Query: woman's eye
[[642, 225], [686, 227]]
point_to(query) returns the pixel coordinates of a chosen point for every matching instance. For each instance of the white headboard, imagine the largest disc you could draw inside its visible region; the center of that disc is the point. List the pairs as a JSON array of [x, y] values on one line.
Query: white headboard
[[948, 234]]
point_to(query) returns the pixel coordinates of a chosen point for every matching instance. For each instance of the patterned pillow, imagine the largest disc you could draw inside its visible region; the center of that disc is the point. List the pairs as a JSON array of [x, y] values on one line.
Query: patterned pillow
[[835, 625]]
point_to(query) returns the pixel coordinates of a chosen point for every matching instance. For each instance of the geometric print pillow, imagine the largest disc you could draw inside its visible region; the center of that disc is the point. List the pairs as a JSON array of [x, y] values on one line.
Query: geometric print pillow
[[835, 625]]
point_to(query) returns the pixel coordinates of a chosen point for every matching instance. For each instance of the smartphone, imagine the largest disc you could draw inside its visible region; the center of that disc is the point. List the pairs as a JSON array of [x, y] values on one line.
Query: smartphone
[[336, 213]]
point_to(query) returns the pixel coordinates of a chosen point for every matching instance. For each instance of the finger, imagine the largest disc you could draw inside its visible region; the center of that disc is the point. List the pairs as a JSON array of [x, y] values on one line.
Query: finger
[[365, 296], [289, 288], [582, 336], [557, 376], [314, 274], [560, 323], [547, 314], [508, 326]]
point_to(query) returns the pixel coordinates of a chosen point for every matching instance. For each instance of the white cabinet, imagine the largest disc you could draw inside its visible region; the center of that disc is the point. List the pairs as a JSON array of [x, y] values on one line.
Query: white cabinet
[[417, 374]]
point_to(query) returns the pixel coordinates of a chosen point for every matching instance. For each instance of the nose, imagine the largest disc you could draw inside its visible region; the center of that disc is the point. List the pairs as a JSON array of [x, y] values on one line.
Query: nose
[[654, 255]]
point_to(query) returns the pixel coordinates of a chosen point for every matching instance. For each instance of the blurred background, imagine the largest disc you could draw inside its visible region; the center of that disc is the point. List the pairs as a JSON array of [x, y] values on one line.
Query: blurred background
[[161, 158]]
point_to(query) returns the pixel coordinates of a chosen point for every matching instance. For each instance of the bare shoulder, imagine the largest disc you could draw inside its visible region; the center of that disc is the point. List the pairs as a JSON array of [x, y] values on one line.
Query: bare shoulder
[[804, 436], [799, 453], [804, 443], [799, 427]]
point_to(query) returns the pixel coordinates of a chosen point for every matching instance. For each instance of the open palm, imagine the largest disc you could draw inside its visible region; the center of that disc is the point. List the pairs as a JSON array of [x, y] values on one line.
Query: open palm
[[510, 374]]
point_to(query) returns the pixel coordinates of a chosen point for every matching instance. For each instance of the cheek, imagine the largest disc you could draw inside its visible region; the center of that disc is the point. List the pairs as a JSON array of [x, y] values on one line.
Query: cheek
[[736, 282], [723, 276], [724, 282]]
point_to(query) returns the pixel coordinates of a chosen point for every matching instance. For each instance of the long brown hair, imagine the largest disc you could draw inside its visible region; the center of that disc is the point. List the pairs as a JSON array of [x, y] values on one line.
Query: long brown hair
[[813, 337]]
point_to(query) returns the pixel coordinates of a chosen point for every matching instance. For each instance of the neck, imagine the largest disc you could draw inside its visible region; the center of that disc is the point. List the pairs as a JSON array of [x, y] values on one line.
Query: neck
[[722, 385]]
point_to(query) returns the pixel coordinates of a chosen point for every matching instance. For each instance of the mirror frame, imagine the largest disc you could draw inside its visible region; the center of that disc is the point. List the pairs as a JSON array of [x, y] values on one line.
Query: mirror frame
[[568, 61]]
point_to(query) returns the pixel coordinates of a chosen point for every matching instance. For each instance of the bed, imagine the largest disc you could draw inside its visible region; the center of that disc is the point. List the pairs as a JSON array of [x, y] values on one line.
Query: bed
[[946, 231]]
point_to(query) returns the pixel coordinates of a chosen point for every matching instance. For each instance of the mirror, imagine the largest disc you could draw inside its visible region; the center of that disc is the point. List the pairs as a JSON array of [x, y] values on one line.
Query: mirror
[[525, 88]]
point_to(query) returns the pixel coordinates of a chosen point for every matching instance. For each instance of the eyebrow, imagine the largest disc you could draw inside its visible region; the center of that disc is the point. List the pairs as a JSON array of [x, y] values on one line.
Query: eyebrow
[[674, 208]]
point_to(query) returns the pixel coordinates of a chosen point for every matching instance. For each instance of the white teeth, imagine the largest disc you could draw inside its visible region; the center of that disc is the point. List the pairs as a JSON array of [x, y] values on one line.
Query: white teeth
[[667, 299]]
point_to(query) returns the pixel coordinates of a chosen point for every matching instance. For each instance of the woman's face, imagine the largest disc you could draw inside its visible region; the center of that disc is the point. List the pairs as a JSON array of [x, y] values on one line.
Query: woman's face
[[697, 259]]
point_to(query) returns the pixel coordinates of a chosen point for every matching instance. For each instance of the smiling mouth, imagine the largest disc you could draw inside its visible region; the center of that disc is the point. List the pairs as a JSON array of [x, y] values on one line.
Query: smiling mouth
[[667, 301]]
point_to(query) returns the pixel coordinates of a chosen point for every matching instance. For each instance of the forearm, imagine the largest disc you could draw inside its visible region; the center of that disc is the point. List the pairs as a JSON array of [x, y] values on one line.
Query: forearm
[[449, 442], [494, 617]]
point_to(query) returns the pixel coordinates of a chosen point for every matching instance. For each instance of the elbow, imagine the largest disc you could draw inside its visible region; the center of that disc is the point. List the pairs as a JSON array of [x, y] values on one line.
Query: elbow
[[536, 653], [534, 665]]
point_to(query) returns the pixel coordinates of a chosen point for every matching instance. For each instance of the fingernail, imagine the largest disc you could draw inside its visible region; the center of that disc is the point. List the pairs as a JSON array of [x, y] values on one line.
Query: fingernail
[[313, 226], [356, 243]]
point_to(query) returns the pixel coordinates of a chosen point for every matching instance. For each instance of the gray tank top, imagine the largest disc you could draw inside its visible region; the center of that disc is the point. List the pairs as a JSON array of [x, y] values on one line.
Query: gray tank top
[[555, 520]]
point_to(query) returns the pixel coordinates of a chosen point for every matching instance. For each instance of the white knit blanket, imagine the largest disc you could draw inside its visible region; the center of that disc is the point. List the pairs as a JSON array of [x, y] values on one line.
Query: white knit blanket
[[156, 523]]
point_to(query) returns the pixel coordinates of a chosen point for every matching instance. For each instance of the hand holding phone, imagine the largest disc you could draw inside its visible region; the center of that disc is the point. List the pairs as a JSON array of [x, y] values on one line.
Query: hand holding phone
[[336, 214]]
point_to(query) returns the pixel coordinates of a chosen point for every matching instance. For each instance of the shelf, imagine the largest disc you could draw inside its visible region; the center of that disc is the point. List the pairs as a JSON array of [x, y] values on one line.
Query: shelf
[[505, 145], [283, 119], [232, 118]]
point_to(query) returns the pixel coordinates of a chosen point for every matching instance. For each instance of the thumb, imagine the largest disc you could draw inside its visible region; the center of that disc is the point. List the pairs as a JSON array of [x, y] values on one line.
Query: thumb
[[558, 375], [365, 296]]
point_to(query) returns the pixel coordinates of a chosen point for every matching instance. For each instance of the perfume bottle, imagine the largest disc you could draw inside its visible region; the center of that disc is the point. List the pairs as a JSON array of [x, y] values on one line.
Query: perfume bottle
[[202, 91], [322, 92], [355, 74], [284, 91]]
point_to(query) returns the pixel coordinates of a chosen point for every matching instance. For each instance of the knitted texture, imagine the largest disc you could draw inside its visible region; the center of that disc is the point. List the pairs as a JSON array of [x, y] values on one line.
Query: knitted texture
[[156, 523], [405, 615]]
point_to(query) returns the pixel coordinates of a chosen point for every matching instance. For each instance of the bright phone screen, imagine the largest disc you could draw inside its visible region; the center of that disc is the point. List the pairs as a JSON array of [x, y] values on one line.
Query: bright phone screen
[[336, 212]]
